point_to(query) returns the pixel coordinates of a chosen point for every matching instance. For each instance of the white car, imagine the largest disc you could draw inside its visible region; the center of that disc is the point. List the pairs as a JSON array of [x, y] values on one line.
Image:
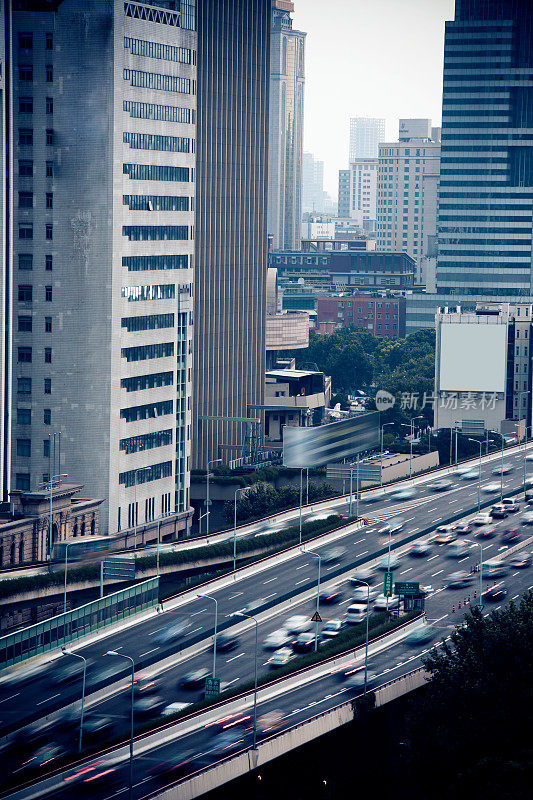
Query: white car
[[462, 471], [276, 639], [380, 603], [482, 519], [527, 518], [297, 624], [360, 594], [356, 613], [503, 469], [470, 475], [489, 488]]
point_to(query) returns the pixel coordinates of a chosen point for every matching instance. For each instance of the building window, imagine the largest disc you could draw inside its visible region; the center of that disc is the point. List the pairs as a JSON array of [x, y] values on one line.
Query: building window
[[23, 416], [143, 263], [151, 381], [46, 448], [152, 202], [49, 105], [48, 386], [148, 141], [49, 41], [24, 385], [156, 80], [49, 231], [25, 199], [48, 324], [24, 355], [151, 233], [25, 105], [49, 137], [25, 293], [164, 291], [23, 482], [48, 263], [25, 137], [145, 475], [48, 294], [26, 169], [25, 261], [148, 323], [146, 441], [49, 200], [153, 111], [26, 41], [25, 230], [25, 324], [47, 416], [148, 411], [49, 73], [48, 355], [147, 351], [142, 47], [155, 172], [25, 72], [49, 169], [24, 448]]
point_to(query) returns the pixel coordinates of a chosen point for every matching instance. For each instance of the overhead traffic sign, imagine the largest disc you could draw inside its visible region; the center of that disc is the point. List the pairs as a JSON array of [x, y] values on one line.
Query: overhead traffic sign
[[387, 584], [212, 687], [407, 588], [316, 617]]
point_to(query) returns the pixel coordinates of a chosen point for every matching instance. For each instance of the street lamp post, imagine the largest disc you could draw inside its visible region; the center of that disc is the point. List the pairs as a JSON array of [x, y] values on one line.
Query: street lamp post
[[381, 453], [412, 429], [123, 655], [367, 616], [215, 601], [67, 545], [207, 500], [249, 616], [77, 655], [501, 473], [319, 557], [526, 392], [455, 424], [301, 489], [242, 489], [480, 443], [55, 480]]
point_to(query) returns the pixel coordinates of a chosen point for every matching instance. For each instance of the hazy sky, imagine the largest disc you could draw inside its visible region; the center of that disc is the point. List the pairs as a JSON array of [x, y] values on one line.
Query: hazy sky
[[368, 58]]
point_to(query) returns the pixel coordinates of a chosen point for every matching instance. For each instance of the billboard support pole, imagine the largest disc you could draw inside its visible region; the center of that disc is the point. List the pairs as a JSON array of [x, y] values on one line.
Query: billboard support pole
[[301, 482], [357, 490], [351, 484]]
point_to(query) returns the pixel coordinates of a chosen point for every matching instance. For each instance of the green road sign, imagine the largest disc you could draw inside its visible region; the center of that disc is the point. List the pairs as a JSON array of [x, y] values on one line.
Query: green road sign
[[387, 584], [212, 687], [407, 588]]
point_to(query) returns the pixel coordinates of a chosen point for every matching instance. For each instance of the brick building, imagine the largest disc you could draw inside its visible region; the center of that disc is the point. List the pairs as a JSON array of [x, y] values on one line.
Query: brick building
[[381, 316]]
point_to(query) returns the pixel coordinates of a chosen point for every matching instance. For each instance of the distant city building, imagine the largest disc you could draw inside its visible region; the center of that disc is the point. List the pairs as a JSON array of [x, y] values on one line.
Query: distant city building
[[343, 206], [407, 194], [98, 199], [381, 316], [316, 227], [359, 243], [294, 398], [366, 133], [363, 192], [286, 113], [483, 367], [231, 234], [313, 194]]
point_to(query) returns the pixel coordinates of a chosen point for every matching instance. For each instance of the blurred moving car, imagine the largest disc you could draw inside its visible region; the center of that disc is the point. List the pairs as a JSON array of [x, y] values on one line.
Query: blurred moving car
[[144, 685], [332, 628], [511, 536], [511, 504], [460, 579], [520, 561], [363, 574], [463, 528], [226, 642], [178, 765], [490, 488], [503, 469], [297, 624], [104, 773], [404, 494], [494, 569], [420, 549], [498, 511], [276, 639], [527, 518], [333, 555], [281, 657], [484, 518], [44, 757], [175, 630], [485, 533], [387, 563], [495, 593], [98, 726], [270, 722], [441, 486], [362, 594], [228, 742], [392, 526], [149, 706], [356, 613], [445, 534], [421, 635], [194, 679], [304, 643], [331, 596], [357, 679], [457, 549], [380, 603], [239, 720], [470, 475]]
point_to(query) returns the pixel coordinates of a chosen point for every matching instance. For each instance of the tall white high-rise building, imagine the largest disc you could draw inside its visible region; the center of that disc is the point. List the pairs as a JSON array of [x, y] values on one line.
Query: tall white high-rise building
[[286, 120], [363, 191], [408, 179], [98, 257], [366, 133]]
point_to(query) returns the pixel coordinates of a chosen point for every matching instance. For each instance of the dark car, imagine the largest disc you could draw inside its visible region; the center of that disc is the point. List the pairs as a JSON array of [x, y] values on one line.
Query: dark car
[[520, 561], [498, 511], [43, 758], [103, 773], [333, 555], [460, 579], [463, 528], [485, 533], [144, 686], [226, 642], [150, 706], [228, 742], [178, 765], [511, 536], [441, 486], [68, 669], [495, 593], [305, 643], [330, 596], [194, 679], [97, 727]]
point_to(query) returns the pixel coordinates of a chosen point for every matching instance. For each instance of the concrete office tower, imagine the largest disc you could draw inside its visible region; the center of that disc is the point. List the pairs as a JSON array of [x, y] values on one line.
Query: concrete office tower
[[343, 208], [363, 192], [407, 193], [286, 123], [101, 256], [5, 285], [486, 184], [231, 235], [313, 194], [366, 133]]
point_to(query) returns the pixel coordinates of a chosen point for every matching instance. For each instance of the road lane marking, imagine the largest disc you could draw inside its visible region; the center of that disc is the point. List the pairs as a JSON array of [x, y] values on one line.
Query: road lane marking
[[432, 557], [302, 581], [148, 652], [240, 655], [48, 699], [9, 698], [233, 596], [405, 571], [303, 566], [434, 575], [270, 580]]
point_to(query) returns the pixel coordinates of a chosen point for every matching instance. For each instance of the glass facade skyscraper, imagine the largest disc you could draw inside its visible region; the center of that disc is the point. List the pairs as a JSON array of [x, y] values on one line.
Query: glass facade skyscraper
[[486, 177]]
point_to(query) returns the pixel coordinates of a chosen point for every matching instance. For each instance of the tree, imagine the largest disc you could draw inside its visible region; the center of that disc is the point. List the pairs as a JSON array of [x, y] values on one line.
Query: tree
[[478, 703]]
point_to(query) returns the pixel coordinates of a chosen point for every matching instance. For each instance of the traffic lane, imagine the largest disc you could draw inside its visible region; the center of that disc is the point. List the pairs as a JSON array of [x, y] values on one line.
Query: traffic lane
[[132, 640]]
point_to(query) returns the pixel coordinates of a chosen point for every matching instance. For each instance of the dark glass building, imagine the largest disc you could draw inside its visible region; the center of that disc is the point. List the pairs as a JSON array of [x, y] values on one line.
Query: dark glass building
[[486, 176]]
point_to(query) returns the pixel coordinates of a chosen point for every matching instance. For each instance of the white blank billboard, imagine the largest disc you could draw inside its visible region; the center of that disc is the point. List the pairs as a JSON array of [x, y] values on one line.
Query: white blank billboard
[[473, 358]]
